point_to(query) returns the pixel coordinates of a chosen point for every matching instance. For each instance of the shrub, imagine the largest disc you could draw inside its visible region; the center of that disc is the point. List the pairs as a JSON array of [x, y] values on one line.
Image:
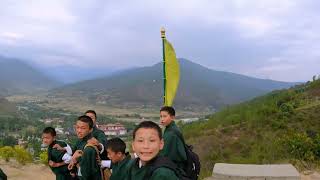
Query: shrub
[[6, 153], [44, 157], [299, 146], [22, 156]]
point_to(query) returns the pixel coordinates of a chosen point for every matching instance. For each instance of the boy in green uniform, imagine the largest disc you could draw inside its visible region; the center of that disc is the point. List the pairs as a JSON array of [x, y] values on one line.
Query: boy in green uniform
[[58, 160], [147, 142], [120, 159], [85, 157], [174, 147], [98, 137]]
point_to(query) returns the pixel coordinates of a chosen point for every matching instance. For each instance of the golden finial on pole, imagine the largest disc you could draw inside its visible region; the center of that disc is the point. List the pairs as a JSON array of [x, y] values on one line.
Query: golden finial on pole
[[163, 32]]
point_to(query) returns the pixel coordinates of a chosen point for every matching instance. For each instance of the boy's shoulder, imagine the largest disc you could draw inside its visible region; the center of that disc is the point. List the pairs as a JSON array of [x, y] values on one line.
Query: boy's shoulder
[[127, 159], [125, 162], [164, 173], [61, 143], [162, 167], [96, 130], [172, 130], [90, 149]]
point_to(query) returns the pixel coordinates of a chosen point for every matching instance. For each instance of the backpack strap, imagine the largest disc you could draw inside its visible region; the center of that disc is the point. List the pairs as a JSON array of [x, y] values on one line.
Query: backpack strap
[[135, 161], [159, 162]]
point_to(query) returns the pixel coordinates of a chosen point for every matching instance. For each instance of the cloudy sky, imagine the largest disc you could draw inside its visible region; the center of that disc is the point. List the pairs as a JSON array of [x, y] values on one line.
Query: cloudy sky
[[262, 38]]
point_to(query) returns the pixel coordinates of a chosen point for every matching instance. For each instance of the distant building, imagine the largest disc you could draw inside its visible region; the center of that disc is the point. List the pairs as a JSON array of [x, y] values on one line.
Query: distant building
[[22, 142], [189, 120], [113, 129], [59, 130], [52, 120]]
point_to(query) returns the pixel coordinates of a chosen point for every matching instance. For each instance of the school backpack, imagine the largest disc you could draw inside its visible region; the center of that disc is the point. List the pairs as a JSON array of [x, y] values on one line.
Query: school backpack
[[193, 166], [105, 173], [162, 161]]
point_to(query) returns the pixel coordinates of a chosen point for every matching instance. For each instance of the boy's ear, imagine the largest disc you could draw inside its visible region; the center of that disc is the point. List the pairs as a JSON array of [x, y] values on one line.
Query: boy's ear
[[161, 144], [133, 149], [119, 154]]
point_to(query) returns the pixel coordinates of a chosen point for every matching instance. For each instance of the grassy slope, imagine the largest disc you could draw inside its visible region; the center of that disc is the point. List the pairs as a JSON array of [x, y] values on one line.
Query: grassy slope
[[274, 128]]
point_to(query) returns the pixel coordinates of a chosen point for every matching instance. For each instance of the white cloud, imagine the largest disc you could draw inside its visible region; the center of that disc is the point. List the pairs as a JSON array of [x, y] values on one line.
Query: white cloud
[[260, 38]]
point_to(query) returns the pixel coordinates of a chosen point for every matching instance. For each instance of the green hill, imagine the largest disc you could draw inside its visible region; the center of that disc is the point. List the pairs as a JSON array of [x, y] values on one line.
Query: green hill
[[17, 77], [282, 126], [199, 88]]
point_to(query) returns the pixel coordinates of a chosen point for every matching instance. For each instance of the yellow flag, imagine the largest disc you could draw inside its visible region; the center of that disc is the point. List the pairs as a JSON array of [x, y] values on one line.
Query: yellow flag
[[172, 73]]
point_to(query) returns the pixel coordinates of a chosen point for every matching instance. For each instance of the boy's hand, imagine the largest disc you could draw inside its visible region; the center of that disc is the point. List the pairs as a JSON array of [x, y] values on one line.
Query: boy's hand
[[77, 154], [93, 141], [58, 147], [54, 164], [51, 163], [70, 167]]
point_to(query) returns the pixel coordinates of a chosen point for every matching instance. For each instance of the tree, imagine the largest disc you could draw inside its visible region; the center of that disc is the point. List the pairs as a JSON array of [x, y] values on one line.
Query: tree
[[314, 78], [9, 141]]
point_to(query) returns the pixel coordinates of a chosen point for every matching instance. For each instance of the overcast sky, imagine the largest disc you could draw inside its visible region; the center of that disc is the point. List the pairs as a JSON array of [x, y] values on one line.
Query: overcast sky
[[274, 39]]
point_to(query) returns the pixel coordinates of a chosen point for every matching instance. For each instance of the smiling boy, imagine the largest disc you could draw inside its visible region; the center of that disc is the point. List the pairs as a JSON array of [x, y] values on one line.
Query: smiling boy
[[147, 142]]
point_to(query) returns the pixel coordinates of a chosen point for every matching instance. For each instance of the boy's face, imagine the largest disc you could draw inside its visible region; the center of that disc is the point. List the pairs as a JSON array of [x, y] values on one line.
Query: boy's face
[[92, 116], [47, 138], [165, 118], [82, 129], [147, 144], [114, 156]]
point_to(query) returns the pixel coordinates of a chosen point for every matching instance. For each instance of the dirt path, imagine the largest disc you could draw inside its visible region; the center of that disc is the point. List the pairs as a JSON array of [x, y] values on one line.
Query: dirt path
[[310, 176], [30, 171]]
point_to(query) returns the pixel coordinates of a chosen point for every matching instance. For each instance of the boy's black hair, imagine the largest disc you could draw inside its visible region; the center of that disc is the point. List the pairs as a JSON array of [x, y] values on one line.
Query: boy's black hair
[[49, 130], [168, 109], [86, 119], [92, 112], [148, 125], [116, 145]]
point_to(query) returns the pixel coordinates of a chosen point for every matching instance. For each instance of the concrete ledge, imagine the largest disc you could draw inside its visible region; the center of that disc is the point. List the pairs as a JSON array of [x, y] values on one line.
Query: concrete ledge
[[222, 171]]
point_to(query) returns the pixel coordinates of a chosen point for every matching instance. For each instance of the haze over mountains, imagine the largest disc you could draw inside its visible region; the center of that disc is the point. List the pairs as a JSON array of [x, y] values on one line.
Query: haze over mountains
[[199, 87], [17, 77], [71, 74]]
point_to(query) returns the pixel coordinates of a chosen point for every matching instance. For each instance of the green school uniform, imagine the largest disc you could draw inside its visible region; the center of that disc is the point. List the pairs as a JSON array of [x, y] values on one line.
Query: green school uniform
[[102, 138], [174, 148], [138, 173], [62, 172], [3, 176], [120, 169], [89, 168]]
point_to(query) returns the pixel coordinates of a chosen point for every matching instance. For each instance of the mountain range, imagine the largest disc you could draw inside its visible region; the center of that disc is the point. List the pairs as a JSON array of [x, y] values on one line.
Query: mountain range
[[18, 77], [200, 87]]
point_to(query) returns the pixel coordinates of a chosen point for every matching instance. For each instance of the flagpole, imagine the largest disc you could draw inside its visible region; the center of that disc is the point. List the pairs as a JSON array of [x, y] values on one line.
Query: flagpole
[[163, 37]]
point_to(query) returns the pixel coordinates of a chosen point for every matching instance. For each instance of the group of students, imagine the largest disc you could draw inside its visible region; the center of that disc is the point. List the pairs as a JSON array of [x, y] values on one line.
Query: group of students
[[156, 155]]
